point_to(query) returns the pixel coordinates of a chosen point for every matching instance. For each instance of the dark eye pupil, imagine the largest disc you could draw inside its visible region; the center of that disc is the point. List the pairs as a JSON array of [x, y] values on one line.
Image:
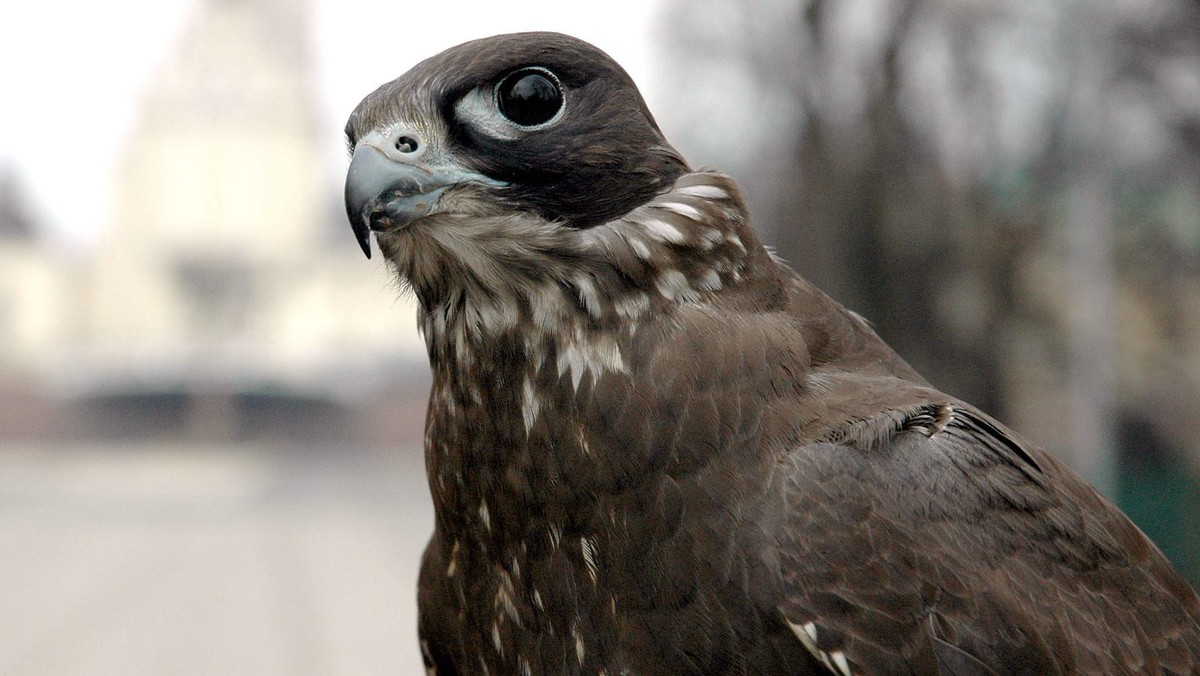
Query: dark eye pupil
[[529, 97]]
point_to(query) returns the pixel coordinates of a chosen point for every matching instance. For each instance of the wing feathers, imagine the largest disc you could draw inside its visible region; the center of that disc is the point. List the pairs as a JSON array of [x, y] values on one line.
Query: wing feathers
[[934, 510]]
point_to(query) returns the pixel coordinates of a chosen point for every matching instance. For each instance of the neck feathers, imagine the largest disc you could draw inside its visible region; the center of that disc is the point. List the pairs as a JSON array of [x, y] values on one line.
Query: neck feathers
[[489, 279]]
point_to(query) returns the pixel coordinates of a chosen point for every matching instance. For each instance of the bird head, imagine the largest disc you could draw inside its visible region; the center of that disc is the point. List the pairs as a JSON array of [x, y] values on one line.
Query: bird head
[[521, 180], [528, 123]]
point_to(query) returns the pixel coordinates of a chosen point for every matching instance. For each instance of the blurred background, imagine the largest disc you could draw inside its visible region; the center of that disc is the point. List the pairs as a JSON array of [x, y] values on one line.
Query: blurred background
[[211, 404]]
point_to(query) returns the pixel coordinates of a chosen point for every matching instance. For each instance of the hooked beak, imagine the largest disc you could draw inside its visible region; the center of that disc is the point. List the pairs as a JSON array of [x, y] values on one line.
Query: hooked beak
[[396, 177]]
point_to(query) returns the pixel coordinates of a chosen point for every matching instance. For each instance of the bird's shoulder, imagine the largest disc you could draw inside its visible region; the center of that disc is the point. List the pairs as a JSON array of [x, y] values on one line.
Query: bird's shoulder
[[916, 534], [911, 526]]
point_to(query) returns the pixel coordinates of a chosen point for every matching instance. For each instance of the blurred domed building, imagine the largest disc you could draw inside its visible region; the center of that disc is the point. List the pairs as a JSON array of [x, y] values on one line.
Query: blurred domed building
[[228, 270]]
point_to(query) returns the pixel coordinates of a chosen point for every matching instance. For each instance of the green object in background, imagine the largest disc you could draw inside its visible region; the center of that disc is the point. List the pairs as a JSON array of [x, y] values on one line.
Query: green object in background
[[1157, 490]]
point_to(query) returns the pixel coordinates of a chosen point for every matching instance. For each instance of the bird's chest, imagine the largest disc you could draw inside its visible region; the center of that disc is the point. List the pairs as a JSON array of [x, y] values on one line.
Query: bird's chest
[[537, 604], [521, 435], [562, 591], [510, 560], [554, 541], [561, 488]]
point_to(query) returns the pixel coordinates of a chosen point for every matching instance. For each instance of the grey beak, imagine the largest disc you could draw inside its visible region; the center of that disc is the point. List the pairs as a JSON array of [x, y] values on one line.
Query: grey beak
[[383, 194], [397, 176]]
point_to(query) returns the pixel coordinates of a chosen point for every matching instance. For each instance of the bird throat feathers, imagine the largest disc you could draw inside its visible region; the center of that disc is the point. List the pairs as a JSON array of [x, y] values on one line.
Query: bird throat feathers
[[515, 284]]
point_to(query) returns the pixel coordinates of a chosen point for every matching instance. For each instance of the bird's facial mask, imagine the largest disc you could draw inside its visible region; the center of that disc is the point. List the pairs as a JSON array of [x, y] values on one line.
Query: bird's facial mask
[[397, 176]]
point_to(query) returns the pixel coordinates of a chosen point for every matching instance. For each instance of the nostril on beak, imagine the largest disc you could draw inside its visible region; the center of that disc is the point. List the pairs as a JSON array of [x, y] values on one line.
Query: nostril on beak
[[406, 144]]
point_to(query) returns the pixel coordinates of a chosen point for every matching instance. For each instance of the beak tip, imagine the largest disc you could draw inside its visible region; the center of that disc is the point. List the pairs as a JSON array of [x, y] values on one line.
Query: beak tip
[[363, 234]]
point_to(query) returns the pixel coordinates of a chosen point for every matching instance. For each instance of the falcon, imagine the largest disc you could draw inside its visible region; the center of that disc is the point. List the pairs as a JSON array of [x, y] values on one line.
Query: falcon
[[655, 449]]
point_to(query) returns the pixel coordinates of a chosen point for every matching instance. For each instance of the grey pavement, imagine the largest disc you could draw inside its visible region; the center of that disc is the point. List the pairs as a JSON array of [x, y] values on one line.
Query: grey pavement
[[173, 558]]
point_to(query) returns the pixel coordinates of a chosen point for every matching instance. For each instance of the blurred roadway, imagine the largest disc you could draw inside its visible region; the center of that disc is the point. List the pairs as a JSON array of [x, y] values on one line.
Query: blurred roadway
[[182, 559]]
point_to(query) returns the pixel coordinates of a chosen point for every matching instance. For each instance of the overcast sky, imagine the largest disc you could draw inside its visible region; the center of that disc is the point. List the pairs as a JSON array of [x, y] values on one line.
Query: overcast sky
[[73, 72]]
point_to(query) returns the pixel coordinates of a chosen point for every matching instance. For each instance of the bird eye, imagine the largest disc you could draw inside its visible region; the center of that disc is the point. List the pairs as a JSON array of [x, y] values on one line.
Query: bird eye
[[529, 97]]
